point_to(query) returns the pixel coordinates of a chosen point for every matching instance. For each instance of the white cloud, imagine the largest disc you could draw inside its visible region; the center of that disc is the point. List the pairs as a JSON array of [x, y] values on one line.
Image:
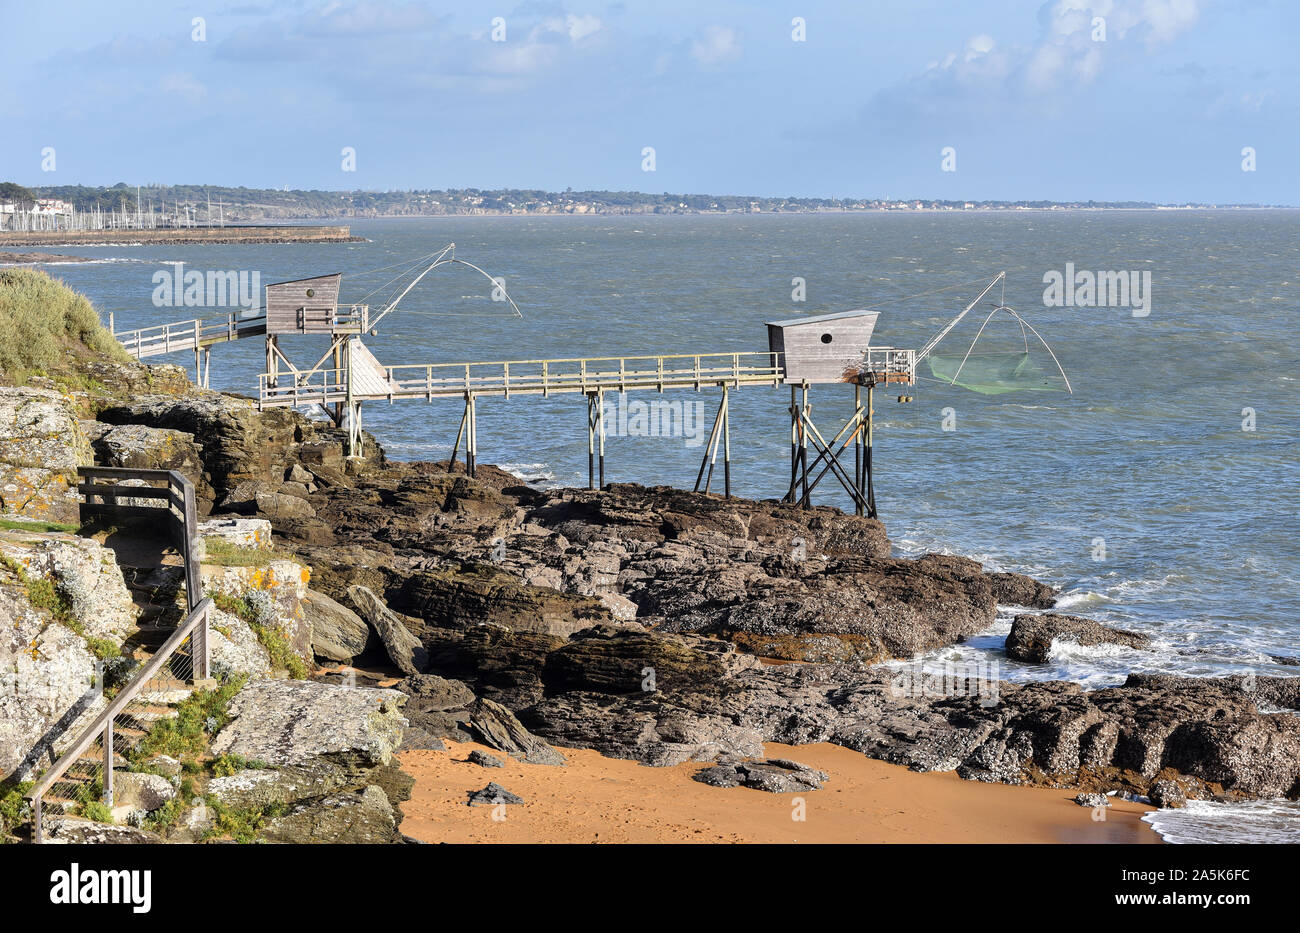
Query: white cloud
[[718, 44], [582, 26], [1066, 54], [184, 84]]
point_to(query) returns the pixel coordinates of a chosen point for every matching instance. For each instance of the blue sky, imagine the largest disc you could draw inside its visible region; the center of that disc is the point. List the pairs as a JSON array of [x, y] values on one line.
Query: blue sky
[[1032, 103]]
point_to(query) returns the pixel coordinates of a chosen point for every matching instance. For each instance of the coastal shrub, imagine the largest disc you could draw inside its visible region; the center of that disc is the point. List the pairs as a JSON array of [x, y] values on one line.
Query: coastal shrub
[[13, 807], [43, 594], [229, 764], [43, 323]]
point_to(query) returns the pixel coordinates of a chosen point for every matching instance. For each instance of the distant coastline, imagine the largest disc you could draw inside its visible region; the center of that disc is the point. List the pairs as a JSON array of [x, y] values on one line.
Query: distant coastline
[[204, 205], [314, 233]]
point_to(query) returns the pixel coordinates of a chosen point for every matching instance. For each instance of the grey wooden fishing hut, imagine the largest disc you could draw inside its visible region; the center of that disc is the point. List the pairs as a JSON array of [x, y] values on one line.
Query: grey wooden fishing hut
[[826, 349], [310, 308]]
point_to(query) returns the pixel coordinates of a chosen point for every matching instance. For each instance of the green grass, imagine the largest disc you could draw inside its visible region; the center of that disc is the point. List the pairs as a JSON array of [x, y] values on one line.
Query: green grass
[[22, 524], [97, 810], [242, 824], [186, 736], [45, 326], [226, 765], [224, 553]]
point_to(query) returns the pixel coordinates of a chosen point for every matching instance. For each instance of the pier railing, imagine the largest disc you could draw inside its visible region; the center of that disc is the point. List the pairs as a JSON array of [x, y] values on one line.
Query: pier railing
[[83, 776], [190, 335], [529, 377]]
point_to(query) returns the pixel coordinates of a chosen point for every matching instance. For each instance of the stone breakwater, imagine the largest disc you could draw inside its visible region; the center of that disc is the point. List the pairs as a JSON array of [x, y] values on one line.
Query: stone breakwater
[[229, 234]]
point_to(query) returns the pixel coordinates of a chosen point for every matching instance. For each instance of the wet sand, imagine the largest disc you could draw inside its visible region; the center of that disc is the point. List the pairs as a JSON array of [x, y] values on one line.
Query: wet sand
[[597, 799]]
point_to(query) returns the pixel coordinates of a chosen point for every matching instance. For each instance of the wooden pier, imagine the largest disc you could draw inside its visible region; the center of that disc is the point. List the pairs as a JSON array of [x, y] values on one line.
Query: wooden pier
[[802, 352]]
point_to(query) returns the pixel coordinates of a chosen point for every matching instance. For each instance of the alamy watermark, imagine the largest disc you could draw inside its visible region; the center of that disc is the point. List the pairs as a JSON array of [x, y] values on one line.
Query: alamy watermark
[[658, 417], [975, 678], [178, 288], [1122, 288]]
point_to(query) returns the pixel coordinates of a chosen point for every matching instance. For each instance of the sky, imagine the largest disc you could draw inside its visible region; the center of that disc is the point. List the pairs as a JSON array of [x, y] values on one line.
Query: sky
[[1157, 100]]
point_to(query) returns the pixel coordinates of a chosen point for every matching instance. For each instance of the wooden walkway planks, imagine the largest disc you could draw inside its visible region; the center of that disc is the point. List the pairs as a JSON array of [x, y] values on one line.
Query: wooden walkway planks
[[522, 377]]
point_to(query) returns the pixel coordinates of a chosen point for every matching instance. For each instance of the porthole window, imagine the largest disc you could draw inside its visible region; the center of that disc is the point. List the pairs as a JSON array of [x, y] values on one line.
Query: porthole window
[[827, 338], [311, 293]]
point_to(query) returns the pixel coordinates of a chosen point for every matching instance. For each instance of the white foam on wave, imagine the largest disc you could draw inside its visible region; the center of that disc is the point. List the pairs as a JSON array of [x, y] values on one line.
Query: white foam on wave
[[1274, 822], [529, 470]]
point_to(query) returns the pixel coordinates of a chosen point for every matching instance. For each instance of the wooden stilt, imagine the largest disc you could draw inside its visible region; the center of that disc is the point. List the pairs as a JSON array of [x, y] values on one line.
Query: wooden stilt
[[711, 448], [600, 420], [591, 448], [794, 446], [870, 491], [455, 448], [803, 447], [726, 443], [471, 440]]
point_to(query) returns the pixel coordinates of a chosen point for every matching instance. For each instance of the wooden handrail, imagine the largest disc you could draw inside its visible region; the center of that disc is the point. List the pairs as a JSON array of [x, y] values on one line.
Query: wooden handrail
[[129, 692], [178, 494]]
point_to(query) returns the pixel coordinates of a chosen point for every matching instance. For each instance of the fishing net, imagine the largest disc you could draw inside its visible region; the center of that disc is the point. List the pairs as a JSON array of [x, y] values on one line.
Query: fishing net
[[995, 373]]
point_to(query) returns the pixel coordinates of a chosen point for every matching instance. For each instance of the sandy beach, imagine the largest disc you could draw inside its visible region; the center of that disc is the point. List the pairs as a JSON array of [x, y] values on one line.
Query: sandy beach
[[597, 799]]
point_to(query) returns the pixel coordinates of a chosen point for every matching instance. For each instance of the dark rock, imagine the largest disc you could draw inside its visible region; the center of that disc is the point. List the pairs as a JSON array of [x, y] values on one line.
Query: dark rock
[[484, 760], [492, 795], [337, 633], [363, 817], [404, 648], [417, 738], [1016, 589], [431, 692], [775, 775], [435, 710], [1167, 795], [458, 599], [1092, 800], [1031, 636], [498, 728]]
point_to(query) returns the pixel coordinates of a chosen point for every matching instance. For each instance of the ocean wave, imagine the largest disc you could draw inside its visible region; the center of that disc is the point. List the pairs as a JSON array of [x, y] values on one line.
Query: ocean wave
[[1273, 822]]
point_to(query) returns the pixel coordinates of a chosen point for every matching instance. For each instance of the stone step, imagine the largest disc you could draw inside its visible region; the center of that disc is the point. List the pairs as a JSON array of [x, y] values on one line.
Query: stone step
[[144, 716]]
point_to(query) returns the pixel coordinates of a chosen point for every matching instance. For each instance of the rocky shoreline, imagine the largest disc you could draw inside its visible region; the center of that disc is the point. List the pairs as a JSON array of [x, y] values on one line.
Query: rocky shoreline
[[648, 624]]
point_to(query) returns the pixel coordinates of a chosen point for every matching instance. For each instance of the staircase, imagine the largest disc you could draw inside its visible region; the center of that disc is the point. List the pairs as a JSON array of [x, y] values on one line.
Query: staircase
[[94, 754]]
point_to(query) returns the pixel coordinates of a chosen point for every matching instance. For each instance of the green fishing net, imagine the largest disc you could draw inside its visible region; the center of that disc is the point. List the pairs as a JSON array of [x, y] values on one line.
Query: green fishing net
[[994, 373]]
